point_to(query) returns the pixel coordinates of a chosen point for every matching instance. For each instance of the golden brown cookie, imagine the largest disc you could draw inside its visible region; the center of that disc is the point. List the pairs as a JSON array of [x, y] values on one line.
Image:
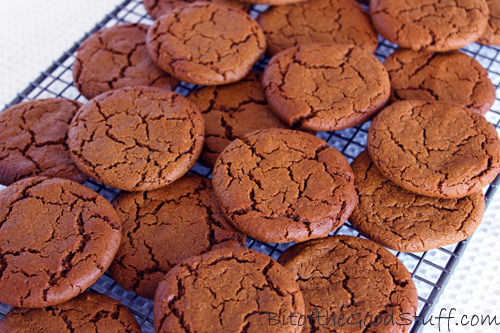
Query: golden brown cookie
[[318, 21], [405, 221], [434, 149], [157, 8], [279, 186], [492, 34], [206, 44], [354, 278], [226, 290], [451, 77], [326, 87], [136, 138], [430, 25]]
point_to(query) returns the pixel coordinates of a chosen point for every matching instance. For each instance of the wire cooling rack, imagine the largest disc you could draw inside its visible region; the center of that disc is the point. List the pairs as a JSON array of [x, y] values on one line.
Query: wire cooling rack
[[431, 270]]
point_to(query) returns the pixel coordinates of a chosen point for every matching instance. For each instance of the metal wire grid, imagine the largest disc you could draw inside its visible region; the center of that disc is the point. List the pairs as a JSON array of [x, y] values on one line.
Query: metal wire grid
[[430, 270]]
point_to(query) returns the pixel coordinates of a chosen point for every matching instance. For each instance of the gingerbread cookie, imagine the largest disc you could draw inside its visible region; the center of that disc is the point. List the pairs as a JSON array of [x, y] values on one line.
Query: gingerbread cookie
[[157, 8], [318, 21], [434, 149], [117, 57], [405, 221], [136, 138], [88, 312], [430, 25], [33, 140], [492, 34], [238, 287], [451, 77], [220, 47], [353, 278], [326, 87], [230, 112], [279, 186], [57, 238]]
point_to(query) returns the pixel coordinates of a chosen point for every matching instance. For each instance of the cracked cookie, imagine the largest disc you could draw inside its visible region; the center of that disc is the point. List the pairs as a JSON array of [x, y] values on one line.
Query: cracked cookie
[[206, 44], [279, 185], [230, 112], [326, 87], [492, 34], [164, 227], [157, 8], [430, 25], [136, 138], [354, 278], [238, 287], [451, 77], [434, 149], [33, 140], [57, 237], [318, 21], [117, 57], [405, 221], [88, 312]]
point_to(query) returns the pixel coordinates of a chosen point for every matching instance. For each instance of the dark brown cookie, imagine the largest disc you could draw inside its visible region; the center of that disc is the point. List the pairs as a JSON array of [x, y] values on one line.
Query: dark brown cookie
[[352, 277], [157, 8], [206, 44], [318, 21], [117, 57], [492, 34], [451, 77], [86, 313], [57, 238], [405, 221], [274, 2], [238, 287], [430, 25], [33, 141], [326, 87], [279, 186], [230, 112], [136, 138], [434, 149], [164, 227]]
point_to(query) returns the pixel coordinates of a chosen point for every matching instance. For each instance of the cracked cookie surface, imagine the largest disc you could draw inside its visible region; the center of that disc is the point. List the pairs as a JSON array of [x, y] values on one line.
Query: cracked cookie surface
[[405, 221], [318, 21], [430, 25], [117, 57], [57, 237], [451, 77], [136, 138], [164, 227], [350, 276], [279, 186], [157, 8], [326, 87], [33, 140], [434, 149], [206, 44], [88, 312], [238, 286], [491, 35], [230, 112]]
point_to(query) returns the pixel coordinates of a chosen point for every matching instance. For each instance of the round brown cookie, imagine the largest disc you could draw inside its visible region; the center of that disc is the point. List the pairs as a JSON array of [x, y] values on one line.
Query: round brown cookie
[[57, 238], [136, 138], [405, 221], [165, 226], [117, 57], [434, 149], [326, 87], [279, 186], [354, 278], [318, 21], [238, 286], [491, 35], [33, 140], [157, 8], [230, 112], [206, 44], [451, 77], [86, 313], [430, 25]]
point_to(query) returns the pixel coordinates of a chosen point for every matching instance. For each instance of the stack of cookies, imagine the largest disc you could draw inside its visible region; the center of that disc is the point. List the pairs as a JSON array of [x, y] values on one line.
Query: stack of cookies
[[180, 238]]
